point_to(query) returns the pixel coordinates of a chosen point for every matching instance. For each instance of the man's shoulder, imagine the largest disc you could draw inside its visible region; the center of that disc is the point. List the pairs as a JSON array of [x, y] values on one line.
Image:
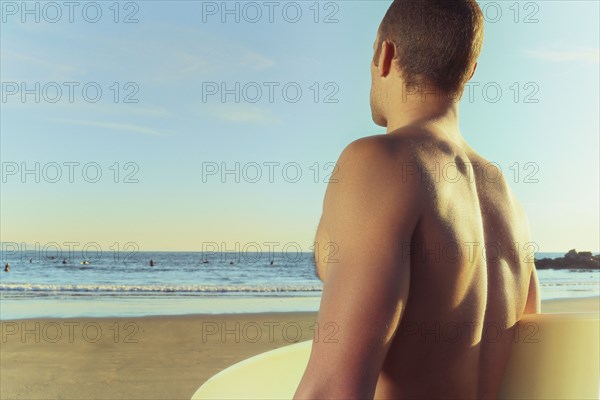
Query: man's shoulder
[[380, 162], [381, 150], [394, 156]]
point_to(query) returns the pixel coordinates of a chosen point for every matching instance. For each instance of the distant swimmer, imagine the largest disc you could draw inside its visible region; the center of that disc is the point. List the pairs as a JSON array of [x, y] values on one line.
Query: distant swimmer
[[64, 261], [30, 260], [205, 261], [151, 262], [85, 262], [272, 261], [230, 262], [7, 267]]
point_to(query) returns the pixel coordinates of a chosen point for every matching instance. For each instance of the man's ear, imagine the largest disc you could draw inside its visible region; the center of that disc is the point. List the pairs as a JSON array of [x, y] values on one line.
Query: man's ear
[[473, 72], [386, 57]]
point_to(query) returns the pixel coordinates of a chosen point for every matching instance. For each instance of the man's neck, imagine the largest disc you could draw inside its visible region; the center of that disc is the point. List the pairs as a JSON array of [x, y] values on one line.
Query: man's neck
[[441, 114]]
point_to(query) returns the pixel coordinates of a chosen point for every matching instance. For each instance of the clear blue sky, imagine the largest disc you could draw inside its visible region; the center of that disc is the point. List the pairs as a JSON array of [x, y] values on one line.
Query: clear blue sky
[[544, 52]]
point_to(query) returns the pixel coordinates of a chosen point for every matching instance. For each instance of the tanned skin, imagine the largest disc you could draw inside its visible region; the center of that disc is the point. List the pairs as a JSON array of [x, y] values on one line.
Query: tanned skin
[[425, 256]]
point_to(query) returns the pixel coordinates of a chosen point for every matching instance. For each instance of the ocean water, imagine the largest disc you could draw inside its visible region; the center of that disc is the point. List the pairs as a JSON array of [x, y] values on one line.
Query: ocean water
[[180, 283]]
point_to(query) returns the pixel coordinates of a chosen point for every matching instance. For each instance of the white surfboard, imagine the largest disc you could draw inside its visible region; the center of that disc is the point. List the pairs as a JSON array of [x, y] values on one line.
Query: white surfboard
[[563, 364]]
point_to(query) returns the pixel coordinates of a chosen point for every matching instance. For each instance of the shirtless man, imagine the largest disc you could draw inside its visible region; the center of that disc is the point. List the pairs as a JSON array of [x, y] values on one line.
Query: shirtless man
[[424, 252]]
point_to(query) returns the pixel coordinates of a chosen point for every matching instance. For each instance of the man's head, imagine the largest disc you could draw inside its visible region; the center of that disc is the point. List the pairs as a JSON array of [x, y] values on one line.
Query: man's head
[[424, 46]]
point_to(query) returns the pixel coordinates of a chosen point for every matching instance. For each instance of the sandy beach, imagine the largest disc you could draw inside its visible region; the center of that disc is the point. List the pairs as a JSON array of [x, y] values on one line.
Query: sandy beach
[[164, 357]]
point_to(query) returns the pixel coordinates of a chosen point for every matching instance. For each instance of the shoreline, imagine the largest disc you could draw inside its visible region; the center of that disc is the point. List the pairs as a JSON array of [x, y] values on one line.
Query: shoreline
[[134, 307], [14, 309], [151, 357]]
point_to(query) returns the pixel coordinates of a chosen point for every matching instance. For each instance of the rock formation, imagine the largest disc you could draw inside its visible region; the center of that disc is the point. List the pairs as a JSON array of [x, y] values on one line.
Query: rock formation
[[571, 260]]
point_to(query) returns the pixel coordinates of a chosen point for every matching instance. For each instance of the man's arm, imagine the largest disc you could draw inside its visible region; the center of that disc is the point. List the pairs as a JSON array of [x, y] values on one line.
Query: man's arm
[[533, 304], [369, 215]]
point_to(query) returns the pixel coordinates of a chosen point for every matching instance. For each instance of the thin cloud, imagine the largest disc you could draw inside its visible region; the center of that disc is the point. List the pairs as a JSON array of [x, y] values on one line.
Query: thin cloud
[[167, 53], [112, 126], [256, 61], [150, 111], [250, 114], [43, 63], [22, 66], [161, 53], [587, 55], [90, 110]]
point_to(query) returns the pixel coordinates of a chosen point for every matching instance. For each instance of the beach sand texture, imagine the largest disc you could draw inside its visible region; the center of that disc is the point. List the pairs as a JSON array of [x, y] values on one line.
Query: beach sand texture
[[150, 357]]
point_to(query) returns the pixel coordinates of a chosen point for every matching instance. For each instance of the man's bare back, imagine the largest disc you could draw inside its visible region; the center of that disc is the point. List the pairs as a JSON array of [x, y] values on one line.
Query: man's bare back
[[470, 267], [424, 253]]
